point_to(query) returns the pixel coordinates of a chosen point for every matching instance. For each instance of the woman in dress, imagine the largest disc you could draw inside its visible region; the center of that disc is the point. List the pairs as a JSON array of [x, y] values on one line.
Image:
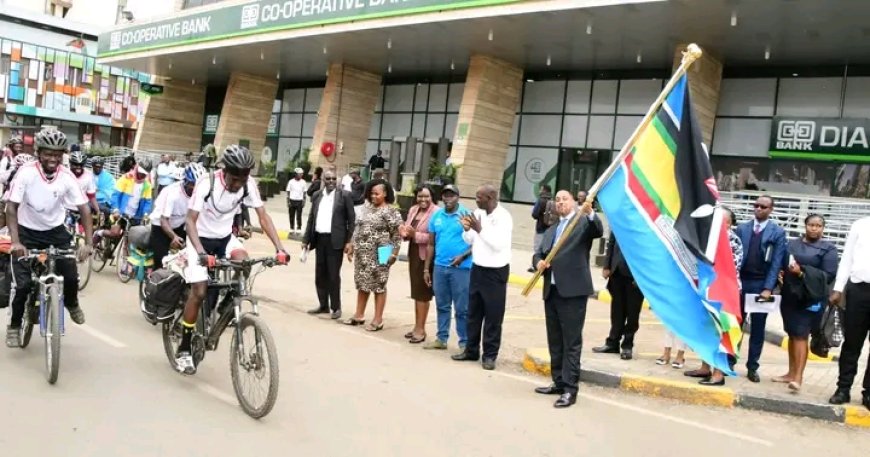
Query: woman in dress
[[377, 227], [416, 231], [811, 266]]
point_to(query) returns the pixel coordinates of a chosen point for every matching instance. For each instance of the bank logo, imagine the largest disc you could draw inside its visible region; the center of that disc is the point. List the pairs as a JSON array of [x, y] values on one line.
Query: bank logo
[[250, 16], [795, 135], [534, 170], [115, 41]]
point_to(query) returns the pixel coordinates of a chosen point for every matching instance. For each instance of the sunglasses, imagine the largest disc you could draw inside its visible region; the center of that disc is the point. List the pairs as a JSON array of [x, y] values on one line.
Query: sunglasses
[[757, 206]]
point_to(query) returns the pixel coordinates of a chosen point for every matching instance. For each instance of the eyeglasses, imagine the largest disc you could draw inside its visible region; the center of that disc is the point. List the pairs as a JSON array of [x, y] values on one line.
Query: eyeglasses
[[757, 206]]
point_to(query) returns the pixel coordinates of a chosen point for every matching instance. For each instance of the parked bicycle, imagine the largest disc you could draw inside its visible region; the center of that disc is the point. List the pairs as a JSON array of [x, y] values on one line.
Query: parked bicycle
[[253, 356], [45, 305]]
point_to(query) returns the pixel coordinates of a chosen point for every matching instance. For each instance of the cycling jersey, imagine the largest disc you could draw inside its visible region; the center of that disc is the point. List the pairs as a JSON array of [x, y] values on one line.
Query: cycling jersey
[[216, 215], [42, 201], [171, 203]]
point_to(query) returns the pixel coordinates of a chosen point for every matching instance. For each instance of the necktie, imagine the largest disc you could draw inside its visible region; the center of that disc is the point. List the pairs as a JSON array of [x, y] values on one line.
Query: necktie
[[559, 229], [757, 229]]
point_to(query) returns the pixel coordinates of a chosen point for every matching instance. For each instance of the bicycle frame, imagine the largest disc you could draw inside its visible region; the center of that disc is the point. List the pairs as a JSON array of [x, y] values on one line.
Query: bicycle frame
[[42, 284]]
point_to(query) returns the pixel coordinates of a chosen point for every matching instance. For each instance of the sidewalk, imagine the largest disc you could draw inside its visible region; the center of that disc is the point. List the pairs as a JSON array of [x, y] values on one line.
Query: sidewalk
[[524, 343]]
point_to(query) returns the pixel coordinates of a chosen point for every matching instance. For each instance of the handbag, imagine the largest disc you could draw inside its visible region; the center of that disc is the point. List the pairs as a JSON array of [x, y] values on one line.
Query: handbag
[[829, 332]]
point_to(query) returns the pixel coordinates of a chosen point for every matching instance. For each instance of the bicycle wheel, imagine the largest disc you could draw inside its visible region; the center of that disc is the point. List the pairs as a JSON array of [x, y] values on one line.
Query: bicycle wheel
[[53, 315], [172, 338], [121, 262], [100, 254], [27, 324], [84, 268], [256, 364]]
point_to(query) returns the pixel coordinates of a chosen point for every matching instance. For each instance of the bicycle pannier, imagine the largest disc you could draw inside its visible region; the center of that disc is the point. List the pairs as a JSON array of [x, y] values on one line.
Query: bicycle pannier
[[164, 292]]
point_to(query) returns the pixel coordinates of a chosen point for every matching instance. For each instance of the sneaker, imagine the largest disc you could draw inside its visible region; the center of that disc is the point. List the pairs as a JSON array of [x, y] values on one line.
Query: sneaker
[[13, 337], [437, 344], [77, 315], [184, 363]]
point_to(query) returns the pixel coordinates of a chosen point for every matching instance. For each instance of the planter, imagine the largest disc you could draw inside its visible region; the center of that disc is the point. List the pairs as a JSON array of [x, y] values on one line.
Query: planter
[[283, 177], [405, 203]]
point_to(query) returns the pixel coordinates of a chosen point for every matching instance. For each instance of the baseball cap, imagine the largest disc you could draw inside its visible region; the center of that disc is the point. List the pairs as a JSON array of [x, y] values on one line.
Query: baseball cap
[[298, 171], [450, 188]]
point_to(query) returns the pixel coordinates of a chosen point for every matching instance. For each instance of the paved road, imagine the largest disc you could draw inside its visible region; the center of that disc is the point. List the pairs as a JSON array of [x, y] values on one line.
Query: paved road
[[344, 392]]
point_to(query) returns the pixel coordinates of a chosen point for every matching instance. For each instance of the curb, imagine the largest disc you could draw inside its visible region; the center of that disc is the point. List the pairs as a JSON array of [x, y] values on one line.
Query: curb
[[537, 361]]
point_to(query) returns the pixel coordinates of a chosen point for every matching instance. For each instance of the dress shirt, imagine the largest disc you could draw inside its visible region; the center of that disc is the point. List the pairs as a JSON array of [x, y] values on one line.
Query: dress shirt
[[759, 227], [323, 223], [491, 248], [165, 173], [855, 263], [563, 223], [296, 189]]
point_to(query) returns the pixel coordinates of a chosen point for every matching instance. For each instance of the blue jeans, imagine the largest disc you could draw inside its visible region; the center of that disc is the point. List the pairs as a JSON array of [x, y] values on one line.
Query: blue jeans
[[451, 288]]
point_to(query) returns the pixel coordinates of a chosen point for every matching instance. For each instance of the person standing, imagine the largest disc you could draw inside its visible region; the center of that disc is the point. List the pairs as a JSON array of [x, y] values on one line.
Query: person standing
[[416, 231], [315, 182], [377, 161], [452, 258], [567, 287], [296, 200], [357, 191], [488, 231], [764, 253], [329, 232], [626, 302], [165, 172], [853, 285], [544, 214]]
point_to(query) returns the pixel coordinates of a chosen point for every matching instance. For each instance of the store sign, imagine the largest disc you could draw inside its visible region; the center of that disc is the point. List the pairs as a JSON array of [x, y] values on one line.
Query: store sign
[[820, 139], [265, 16], [211, 124], [272, 130]]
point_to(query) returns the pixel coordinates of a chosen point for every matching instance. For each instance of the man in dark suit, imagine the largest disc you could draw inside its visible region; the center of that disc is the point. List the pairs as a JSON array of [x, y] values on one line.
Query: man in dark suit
[[764, 252], [329, 232], [625, 304], [567, 287]]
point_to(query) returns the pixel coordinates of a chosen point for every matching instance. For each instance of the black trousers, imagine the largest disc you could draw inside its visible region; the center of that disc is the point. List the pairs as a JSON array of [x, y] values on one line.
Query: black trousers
[[160, 243], [565, 318], [856, 326], [625, 305], [327, 272], [487, 291], [58, 237], [295, 209]]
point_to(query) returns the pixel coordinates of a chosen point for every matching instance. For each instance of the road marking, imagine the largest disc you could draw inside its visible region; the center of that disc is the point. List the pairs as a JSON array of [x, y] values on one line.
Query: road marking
[[102, 337], [219, 394], [652, 413]]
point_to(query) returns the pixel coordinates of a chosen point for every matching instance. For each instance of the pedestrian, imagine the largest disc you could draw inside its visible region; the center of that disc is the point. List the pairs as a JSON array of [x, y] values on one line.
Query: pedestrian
[[416, 231], [626, 302], [488, 231], [329, 232], [296, 200], [375, 248], [357, 191], [452, 268], [544, 214], [377, 161], [716, 377], [164, 173], [567, 287], [852, 286], [806, 278], [315, 182], [671, 343], [764, 251]]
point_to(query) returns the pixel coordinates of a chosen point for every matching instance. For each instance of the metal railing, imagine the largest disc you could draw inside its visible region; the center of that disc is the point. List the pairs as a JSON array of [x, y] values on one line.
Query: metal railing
[[790, 210], [113, 162]]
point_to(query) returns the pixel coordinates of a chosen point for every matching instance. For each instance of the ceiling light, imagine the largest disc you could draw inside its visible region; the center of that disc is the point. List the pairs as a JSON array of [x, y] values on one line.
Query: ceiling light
[[767, 53], [193, 81], [489, 37], [734, 18], [549, 60], [389, 43], [452, 65], [278, 75], [325, 50], [213, 60], [794, 74], [589, 28], [530, 80], [639, 57], [262, 56], [389, 68], [170, 65]]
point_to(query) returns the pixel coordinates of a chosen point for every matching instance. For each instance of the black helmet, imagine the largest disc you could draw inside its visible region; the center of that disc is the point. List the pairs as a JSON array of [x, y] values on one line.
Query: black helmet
[[77, 158], [51, 139], [237, 157], [97, 160]]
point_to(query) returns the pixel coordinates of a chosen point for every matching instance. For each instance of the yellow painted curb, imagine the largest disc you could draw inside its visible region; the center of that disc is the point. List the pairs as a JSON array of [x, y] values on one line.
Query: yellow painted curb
[[521, 281], [537, 361], [605, 297], [810, 356], [857, 416], [284, 234], [689, 393]]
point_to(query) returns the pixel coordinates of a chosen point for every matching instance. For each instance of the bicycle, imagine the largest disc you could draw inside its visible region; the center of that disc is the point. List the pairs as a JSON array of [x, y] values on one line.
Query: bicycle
[[233, 280], [75, 228], [115, 249], [44, 305]]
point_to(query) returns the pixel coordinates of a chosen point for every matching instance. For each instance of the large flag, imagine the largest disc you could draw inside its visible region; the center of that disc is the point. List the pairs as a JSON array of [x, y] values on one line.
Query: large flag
[[683, 264]]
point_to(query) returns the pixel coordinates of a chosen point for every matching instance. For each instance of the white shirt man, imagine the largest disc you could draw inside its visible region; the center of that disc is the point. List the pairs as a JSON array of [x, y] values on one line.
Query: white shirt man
[[491, 248], [296, 200], [164, 174], [43, 202], [323, 223], [172, 204], [346, 182], [88, 186]]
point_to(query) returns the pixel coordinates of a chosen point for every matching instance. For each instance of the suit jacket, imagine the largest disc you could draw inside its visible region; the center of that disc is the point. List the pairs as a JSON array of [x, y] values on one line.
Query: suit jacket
[[615, 261], [343, 219], [571, 264], [772, 238]]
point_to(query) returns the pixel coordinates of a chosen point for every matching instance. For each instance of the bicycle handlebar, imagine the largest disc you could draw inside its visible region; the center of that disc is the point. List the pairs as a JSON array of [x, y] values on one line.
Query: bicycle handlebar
[[227, 263], [50, 252]]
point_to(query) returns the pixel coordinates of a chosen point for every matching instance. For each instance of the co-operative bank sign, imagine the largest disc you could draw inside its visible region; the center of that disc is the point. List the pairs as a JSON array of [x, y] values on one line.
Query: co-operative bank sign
[[265, 16]]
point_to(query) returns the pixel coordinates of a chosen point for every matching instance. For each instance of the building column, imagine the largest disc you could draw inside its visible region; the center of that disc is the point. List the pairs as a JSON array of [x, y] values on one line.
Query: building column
[[345, 116], [246, 111], [172, 121], [486, 117], [705, 79]]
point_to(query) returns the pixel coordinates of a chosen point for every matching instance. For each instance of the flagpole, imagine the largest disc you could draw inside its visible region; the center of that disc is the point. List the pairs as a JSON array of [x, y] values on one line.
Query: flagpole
[[690, 55]]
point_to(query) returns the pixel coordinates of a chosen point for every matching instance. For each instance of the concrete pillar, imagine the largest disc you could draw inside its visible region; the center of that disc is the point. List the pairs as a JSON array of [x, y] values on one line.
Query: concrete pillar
[[246, 112], [345, 116], [486, 117], [172, 121], [705, 79]]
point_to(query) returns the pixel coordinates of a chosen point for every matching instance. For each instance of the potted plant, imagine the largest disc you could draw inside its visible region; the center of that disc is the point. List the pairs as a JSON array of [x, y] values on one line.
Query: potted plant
[[268, 183], [405, 198], [441, 175]]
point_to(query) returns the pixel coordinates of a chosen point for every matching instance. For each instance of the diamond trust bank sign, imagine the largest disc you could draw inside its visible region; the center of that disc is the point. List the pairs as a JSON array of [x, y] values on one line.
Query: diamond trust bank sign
[[261, 16], [820, 139]]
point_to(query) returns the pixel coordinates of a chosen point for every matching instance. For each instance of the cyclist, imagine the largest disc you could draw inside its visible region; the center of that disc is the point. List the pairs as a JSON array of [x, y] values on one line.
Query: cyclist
[[105, 185], [170, 212], [209, 232], [133, 192], [36, 213], [85, 179]]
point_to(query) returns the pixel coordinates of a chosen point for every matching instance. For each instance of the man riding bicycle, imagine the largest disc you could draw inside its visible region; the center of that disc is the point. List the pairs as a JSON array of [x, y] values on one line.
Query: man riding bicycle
[[105, 183], [133, 192], [35, 214], [209, 232], [84, 178], [170, 213]]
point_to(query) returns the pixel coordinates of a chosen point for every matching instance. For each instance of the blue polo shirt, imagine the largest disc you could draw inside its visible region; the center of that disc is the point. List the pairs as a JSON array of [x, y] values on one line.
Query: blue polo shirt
[[448, 237]]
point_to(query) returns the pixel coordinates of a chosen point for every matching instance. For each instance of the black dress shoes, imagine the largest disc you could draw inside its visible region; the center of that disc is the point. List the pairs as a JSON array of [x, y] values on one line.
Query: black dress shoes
[[606, 350], [336, 314], [465, 356], [549, 390], [625, 354], [841, 396], [565, 400], [488, 364], [753, 376], [318, 311], [710, 382]]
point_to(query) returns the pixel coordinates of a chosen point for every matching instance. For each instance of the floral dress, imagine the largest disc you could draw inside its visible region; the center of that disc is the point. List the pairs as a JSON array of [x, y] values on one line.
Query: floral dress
[[375, 227]]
